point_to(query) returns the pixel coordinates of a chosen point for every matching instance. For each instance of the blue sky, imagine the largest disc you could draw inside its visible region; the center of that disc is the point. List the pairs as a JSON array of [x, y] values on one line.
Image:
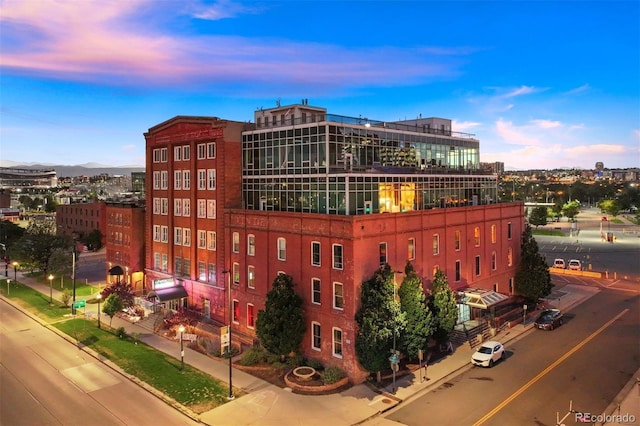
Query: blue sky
[[541, 84]]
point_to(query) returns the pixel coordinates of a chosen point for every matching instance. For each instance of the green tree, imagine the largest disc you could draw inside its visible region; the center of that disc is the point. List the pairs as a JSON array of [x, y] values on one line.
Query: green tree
[[123, 290], [533, 280], [571, 209], [61, 263], [557, 210], [93, 240], [444, 307], [379, 319], [611, 207], [10, 233], [419, 319], [111, 306], [538, 216], [281, 325], [39, 243]]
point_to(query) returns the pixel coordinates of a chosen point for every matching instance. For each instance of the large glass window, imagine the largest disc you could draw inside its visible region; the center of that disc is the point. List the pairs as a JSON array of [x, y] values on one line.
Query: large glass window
[[337, 256], [315, 291], [315, 253], [282, 249], [338, 296], [337, 342], [316, 342]]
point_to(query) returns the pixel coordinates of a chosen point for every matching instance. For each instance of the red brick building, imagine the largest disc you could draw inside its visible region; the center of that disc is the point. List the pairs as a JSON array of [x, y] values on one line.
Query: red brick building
[[80, 219], [125, 232], [326, 199]]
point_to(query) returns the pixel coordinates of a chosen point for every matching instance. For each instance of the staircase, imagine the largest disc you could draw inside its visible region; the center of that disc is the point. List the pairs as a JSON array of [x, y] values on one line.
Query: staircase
[[474, 335]]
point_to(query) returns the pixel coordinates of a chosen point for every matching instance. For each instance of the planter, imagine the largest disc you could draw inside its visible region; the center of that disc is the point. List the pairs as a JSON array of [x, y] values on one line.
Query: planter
[[304, 373]]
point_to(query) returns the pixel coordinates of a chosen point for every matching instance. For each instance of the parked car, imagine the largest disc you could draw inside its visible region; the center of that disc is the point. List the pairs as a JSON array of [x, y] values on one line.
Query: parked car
[[549, 319], [488, 354], [575, 265], [559, 263]]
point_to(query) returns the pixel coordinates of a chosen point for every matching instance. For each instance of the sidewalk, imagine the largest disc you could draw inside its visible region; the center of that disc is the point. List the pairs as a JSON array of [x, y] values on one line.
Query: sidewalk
[[267, 404]]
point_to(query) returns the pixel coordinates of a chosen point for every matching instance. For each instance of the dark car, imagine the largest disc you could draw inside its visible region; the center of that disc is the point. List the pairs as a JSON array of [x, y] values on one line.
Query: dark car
[[549, 319]]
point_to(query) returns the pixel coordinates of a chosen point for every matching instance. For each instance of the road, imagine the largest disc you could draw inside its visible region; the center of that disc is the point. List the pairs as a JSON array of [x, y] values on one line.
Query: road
[[45, 380], [586, 361]]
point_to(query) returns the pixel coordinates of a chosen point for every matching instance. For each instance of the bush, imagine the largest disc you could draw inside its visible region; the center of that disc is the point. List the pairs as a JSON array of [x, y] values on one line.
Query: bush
[[273, 358], [295, 361], [66, 297], [314, 363], [332, 374], [121, 332], [253, 356]]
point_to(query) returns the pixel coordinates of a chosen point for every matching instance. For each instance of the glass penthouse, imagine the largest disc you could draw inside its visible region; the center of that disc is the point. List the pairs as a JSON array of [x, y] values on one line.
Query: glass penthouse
[[301, 159]]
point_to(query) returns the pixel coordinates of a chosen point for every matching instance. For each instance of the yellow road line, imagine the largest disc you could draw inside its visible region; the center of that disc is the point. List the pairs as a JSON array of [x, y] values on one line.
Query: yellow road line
[[547, 370]]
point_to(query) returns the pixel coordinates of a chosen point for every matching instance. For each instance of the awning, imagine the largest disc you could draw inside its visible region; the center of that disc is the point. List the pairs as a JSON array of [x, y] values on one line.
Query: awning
[[483, 299], [170, 293]]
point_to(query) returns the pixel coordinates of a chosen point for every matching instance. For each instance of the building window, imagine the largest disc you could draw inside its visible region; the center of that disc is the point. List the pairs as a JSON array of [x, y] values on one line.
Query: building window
[[164, 155], [435, 269], [315, 336], [165, 233], [186, 153], [494, 235], [156, 180], [164, 179], [177, 266], [211, 150], [236, 311], [510, 285], [282, 249], [211, 240], [165, 263], [202, 208], [236, 273], [236, 242], [177, 153], [202, 151], [315, 291], [458, 270], [382, 253], [477, 265], [186, 179], [211, 209], [509, 230], [436, 244], [156, 155], [337, 256], [156, 233], [211, 273], [164, 208], [456, 240], [251, 316], [509, 256], [202, 179], [177, 236], [337, 342], [315, 253], [177, 179], [211, 179], [494, 261], [338, 296], [476, 236], [186, 237], [495, 287], [156, 261], [251, 245], [177, 207], [411, 249], [251, 276], [186, 207], [202, 271]]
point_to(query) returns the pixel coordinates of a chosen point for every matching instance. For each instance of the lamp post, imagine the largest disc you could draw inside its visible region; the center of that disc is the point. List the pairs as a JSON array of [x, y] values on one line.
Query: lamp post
[[181, 330], [230, 307], [8, 283], [50, 289], [99, 297], [73, 277], [15, 271]]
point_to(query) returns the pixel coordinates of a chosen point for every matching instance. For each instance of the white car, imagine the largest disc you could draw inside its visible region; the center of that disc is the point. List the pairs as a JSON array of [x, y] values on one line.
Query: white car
[[575, 265], [488, 354], [559, 263]]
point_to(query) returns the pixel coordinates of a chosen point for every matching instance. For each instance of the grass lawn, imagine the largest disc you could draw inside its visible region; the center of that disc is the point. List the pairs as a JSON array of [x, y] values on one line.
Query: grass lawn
[[192, 388], [65, 283], [549, 232], [35, 302]]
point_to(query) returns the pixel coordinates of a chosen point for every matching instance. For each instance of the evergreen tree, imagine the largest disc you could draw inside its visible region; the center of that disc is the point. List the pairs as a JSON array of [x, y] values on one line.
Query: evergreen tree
[[281, 325], [379, 319], [444, 307], [538, 216], [419, 319], [533, 279]]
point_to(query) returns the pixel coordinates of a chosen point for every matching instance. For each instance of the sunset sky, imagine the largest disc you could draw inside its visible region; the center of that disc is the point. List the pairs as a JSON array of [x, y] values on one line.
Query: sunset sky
[[541, 84]]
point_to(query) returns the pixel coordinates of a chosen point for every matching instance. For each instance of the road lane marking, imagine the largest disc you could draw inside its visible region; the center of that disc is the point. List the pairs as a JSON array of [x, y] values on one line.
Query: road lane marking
[[547, 370]]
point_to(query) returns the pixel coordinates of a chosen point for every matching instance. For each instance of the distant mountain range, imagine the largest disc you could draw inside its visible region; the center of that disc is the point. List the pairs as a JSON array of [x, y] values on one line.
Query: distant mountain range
[[89, 169]]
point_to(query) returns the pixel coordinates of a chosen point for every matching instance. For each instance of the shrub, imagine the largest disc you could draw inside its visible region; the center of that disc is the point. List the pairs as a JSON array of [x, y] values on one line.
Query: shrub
[[273, 358], [121, 332], [295, 361], [332, 375], [253, 356], [66, 296], [314, 363]]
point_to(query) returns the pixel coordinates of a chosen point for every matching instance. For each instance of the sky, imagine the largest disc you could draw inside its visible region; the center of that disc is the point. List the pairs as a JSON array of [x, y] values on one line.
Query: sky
[[541, 84]]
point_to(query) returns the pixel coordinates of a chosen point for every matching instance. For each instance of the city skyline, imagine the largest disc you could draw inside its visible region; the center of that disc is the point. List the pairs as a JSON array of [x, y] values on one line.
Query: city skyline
[[540, 84]]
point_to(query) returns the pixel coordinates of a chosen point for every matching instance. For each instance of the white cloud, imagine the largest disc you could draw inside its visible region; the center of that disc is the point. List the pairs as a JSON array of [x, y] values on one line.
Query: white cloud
[[580, 89], [223, 9], [522, 90], [546, 124], [464, 126]]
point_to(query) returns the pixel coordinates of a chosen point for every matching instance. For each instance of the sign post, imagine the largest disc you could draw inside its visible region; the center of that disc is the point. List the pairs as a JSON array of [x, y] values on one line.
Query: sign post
[[224, 338]]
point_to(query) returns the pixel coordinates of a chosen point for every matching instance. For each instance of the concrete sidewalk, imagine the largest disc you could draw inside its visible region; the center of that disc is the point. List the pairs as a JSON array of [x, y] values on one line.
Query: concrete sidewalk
[[262, 403]]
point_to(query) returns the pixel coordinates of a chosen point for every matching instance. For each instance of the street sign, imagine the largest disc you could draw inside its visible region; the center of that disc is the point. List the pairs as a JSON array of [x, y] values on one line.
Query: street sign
[[394, 358], [79, 304], [190, 337], [224, 339]]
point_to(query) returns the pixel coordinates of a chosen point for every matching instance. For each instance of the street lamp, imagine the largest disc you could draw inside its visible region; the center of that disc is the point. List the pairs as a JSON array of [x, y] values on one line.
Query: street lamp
[[99, 297], [225, 273], [50, 289], [8, 283], [181, 330], [15, 271]]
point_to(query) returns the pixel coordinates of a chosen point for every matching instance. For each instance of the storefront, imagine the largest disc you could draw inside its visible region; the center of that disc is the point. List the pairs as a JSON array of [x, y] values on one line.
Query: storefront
[[166, 294]]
